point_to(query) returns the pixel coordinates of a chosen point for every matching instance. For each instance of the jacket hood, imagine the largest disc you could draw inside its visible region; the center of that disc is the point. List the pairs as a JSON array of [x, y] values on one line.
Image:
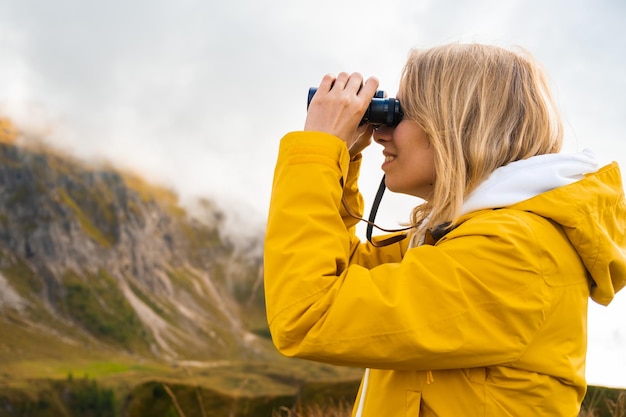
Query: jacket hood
[[570, 190]]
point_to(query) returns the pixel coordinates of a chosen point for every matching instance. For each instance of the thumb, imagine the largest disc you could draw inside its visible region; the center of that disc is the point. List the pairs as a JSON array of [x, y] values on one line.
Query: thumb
[[362, 139]]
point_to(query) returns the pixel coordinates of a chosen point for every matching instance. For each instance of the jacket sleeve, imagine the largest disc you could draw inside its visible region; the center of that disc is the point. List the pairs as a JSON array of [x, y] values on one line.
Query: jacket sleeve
[[426, 310]]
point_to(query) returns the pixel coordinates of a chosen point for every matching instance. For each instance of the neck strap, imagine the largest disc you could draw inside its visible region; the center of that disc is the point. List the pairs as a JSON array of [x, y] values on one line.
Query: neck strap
[[370, 222]]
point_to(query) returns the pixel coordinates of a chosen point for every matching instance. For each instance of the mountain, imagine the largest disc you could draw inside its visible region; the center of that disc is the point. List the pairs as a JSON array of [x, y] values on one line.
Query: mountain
[[94, 257]]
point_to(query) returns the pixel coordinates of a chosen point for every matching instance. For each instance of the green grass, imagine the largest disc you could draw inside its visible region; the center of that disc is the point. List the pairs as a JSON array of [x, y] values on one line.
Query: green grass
[[22, 278], [97, 303], [84, 220], [157, 389], [37, 367]]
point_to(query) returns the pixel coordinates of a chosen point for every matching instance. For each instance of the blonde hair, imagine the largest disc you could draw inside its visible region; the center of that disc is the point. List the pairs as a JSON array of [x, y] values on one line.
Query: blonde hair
[[481, 107]]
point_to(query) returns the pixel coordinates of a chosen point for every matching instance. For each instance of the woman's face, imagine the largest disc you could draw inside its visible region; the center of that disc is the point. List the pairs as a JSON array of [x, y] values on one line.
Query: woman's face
[[409, 159]]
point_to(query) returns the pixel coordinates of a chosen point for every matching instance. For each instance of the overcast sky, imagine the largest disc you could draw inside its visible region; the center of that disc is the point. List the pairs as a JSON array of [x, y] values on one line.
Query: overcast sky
[[195, 95]]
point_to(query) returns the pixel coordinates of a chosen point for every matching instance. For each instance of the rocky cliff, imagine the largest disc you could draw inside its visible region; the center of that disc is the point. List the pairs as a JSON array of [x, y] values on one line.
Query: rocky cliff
[[97, 259]]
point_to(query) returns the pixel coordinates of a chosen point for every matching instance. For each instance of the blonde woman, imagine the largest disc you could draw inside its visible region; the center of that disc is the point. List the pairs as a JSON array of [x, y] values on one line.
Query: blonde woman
[[482, 310]]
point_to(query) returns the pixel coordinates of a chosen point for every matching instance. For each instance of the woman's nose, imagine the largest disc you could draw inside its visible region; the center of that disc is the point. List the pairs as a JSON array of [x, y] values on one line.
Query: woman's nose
[[382, 134]]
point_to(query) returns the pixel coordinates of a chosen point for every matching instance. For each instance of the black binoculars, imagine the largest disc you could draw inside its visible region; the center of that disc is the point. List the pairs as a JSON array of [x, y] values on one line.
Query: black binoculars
[[381, 111]]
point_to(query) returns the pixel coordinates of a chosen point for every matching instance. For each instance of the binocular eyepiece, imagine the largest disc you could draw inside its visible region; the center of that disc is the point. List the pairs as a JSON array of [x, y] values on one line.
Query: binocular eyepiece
[[381, 111]]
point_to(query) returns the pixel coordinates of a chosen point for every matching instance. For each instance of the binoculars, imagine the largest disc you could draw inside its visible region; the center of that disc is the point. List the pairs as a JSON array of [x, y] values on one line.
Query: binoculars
[[380, 112]]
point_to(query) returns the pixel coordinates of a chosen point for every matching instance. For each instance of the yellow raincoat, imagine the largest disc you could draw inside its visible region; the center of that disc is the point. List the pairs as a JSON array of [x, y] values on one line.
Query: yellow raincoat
[[488, 321]]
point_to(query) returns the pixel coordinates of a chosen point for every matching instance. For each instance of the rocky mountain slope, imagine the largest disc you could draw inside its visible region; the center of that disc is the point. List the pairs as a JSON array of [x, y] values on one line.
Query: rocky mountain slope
[[95, 258]]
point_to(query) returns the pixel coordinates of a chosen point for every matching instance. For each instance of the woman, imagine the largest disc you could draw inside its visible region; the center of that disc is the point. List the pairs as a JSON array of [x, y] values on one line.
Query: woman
[[482, 312]]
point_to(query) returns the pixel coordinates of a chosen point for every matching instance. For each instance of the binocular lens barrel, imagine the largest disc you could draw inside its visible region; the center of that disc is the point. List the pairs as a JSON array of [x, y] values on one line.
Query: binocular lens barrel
[[381, 110]]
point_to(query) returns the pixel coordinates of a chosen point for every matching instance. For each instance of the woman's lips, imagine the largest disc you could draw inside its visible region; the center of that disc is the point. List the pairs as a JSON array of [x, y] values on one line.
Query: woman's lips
[[388, 159]]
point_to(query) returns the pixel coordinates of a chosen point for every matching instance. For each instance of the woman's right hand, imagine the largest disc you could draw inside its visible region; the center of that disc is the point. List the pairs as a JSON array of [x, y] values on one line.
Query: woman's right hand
[[339, 105]]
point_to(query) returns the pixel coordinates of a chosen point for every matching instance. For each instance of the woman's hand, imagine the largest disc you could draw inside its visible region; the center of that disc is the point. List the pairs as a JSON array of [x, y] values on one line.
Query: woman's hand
[[338, 107]]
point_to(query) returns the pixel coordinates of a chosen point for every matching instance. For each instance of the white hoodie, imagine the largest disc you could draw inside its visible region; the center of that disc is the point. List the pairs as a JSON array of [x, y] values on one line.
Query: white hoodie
[[527, 178]]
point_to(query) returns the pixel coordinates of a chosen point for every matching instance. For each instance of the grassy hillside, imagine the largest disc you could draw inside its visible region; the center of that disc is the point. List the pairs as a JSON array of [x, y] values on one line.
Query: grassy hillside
[[125, 387]]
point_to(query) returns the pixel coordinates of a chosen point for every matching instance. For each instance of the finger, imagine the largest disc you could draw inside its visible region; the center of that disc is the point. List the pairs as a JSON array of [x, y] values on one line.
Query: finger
[[369, 88], [340, 82], [363, 138], [369, 131], [364, 133], [355, 81], [327, 83]]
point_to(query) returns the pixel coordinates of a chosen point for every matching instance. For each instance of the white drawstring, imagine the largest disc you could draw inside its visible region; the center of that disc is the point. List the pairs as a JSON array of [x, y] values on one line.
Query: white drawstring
[[429, 377], [359, 410]]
